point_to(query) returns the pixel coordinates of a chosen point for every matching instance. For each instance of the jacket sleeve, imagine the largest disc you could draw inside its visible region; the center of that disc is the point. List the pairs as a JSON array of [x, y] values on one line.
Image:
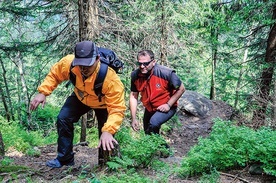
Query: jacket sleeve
[[59, 72], [114, 99]]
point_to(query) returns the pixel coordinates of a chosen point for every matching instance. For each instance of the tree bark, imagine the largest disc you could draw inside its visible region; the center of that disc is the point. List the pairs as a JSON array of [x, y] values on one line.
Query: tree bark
[[88, 29], [5, 94], [164, 36], [238, 86], [2, 148], [83, 128], [88, 20], [3, 98], [273, 115], [214, 33], [23, 94], [259, 115]]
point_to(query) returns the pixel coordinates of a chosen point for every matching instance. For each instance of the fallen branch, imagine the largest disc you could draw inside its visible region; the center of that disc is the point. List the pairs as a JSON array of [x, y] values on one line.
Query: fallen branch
[[234, 176]]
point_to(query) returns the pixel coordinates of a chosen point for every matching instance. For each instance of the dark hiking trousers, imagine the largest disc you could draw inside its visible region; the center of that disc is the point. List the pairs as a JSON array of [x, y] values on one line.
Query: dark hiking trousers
[[152, 121], [70, 113]]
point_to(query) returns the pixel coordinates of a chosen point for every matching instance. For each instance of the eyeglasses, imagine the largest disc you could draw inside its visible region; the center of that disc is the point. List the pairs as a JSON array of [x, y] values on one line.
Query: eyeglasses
[[144, 63]]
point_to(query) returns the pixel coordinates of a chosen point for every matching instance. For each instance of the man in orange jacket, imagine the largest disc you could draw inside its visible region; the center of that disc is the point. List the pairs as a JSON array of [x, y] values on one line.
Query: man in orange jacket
[[109, 111]]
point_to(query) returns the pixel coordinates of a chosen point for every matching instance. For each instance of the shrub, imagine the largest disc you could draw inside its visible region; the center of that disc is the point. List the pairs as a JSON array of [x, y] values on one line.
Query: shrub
[[137, 152], [14, 136], [230, 146]]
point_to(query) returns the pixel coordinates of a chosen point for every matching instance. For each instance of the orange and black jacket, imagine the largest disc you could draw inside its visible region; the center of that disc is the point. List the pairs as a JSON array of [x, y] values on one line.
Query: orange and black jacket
[[113, 90], [157, 87]]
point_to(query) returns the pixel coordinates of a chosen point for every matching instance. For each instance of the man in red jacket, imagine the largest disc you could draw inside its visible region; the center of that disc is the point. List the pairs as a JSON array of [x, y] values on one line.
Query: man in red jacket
[[160, 88]]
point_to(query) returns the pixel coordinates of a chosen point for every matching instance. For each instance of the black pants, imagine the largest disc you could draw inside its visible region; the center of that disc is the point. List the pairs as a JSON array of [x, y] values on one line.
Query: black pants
[[152, 121], [70, 113]]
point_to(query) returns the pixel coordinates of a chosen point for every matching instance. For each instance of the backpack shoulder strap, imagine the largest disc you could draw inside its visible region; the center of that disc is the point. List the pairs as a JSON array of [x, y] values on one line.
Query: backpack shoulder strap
[[72, 77], [98, 85]]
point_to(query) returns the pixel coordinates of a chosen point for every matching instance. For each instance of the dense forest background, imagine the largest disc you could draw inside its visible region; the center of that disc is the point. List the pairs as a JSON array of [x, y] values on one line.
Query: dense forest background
[[222, 49]]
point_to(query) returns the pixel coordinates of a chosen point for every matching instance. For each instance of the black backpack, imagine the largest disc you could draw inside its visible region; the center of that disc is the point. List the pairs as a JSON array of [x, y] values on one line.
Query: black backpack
[[108, 59]]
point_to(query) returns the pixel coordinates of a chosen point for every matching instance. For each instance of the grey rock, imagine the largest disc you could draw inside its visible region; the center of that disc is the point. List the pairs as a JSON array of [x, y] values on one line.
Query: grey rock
[[256, 169], [195, 104]]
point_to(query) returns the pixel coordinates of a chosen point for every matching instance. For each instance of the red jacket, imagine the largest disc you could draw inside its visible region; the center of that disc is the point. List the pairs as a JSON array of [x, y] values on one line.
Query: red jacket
[[157, 87]]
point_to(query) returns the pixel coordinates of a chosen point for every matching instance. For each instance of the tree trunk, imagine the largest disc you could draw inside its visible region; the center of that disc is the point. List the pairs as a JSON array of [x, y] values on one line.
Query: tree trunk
[[91, 119], [214, 33], [273, 115], [238, 86], [83, 128], [164, 36], [3, 98], [2, 148], [88, 20], [259, 115], [23, 95], [87, 121], [5, 94], [88, 29]]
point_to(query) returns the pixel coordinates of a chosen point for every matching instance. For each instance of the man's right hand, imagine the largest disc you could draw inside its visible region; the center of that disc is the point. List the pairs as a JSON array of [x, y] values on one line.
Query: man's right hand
[[39, 98], [135, 125]]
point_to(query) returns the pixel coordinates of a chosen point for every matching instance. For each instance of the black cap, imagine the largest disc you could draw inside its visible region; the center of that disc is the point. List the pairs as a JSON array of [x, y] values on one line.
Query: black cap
[[86, 53]]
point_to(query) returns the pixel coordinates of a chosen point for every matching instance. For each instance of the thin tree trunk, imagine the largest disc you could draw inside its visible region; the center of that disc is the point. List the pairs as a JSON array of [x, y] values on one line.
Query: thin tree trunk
[[164, 36], [273, 115], [3, 98], [83, 128], [88, 29], [214, 33], [23, 95], [5, 94], [2, 147], [259, 115], [240, 76], [91, 119]]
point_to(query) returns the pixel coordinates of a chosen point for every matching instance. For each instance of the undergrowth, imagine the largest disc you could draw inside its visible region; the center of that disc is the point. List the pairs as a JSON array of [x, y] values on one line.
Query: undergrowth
[[137, 150], [15, 137], [230, 146]]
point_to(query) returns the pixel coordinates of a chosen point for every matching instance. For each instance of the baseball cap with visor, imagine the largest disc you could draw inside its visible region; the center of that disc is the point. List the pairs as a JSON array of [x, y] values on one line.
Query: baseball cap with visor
[[86, 53]]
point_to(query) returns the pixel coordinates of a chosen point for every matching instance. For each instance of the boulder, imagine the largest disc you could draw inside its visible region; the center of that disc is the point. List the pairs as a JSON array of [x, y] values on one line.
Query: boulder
[[195, 104]]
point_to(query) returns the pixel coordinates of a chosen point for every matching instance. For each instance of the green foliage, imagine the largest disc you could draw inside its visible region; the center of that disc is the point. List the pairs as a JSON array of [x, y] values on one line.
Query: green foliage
[[13, 168], [264, 150], [6, 161], [130, 176], [33, 152], [133, 175], [14, 136], [212, 178], [230, 146], [137, 152], [44, 118]]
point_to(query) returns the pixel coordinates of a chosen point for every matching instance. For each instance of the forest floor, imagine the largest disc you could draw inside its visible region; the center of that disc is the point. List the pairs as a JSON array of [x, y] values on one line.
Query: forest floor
[[181, 139]]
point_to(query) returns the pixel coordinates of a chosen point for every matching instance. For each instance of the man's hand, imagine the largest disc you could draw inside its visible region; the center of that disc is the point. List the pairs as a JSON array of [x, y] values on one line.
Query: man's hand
[[135, 125], [106, 141], [39, 98], [163, 108]]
